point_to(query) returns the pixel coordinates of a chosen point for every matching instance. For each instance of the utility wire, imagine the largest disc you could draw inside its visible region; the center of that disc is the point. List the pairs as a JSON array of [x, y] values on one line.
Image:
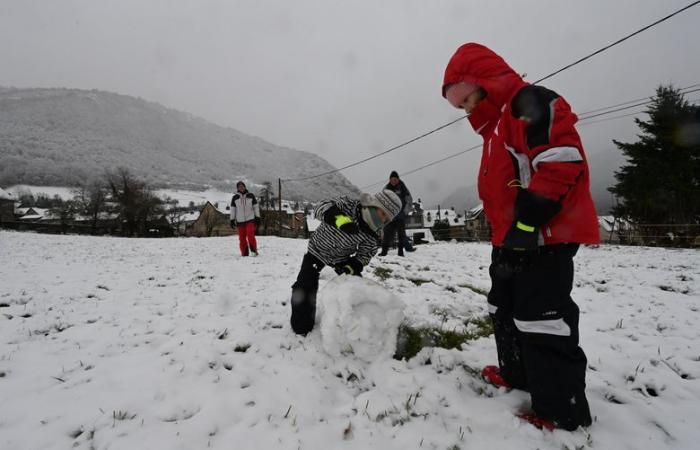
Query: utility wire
[[378, 154], [428, 165], [619, 41], [630, 106], [663, 19], [632, 101], [694, 101]]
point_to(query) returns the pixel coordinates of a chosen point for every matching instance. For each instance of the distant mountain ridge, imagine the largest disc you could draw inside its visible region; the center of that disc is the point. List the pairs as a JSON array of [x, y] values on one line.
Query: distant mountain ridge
[[57, 137]]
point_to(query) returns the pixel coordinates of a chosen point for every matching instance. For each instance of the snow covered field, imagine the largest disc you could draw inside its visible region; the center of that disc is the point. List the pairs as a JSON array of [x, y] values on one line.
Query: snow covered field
[[111, 343]]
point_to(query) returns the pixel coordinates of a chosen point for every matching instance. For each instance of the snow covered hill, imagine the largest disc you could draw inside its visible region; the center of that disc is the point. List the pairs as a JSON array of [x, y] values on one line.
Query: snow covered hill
[[58, 137], [112, 343]]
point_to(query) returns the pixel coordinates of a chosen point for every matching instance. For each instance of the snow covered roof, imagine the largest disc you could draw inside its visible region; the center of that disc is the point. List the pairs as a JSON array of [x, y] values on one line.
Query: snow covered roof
[[33, 213], [4, 195], [608, 222], [431, 215], [474, 212], [223, 206], [190, 216]]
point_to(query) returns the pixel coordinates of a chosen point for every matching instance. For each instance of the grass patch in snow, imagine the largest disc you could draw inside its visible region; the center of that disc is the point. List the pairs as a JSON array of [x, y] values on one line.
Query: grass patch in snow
[[412, 339], [382, 273], [479, 291]]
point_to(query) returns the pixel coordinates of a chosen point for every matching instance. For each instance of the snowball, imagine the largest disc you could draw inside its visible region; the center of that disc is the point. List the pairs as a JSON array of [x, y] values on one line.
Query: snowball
[[359, 317]]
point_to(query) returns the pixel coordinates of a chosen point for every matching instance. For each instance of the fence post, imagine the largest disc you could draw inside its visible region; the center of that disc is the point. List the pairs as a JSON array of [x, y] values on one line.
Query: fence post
[[279, 197]]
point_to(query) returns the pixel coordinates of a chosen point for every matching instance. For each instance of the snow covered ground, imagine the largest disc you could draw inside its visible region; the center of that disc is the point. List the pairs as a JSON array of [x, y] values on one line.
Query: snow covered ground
[[112, 343]]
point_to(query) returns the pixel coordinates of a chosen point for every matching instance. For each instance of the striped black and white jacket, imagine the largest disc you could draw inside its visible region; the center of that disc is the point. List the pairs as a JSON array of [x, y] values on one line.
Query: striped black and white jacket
[[332, 246]]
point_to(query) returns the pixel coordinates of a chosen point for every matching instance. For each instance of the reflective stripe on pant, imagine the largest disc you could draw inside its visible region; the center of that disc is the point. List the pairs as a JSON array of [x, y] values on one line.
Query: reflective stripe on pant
[[246, 238], [536, 330]]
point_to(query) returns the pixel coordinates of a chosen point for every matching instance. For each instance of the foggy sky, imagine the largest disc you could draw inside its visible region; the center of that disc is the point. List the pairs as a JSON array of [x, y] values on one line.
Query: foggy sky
[[348, 79]]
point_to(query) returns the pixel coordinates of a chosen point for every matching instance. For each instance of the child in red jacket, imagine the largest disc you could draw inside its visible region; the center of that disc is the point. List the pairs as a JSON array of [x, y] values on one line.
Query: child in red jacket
[[534, 184]]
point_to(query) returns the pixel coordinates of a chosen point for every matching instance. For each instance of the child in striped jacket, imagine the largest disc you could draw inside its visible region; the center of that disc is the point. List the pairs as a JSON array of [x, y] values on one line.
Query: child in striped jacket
[[346, 240]]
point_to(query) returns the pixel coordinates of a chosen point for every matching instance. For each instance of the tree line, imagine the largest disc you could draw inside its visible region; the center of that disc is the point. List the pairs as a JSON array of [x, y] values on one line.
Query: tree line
[[128, 203], [658, 188]]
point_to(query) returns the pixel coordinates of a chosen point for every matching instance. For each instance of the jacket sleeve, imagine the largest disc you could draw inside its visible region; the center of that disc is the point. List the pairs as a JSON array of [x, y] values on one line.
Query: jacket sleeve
[[554, 146], [322, 208], [366, 250], [233, 208], [408, 207], [344, 204]]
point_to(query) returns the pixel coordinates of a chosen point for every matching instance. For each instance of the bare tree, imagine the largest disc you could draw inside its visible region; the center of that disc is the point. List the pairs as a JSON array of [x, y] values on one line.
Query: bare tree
[[267, 196], [64, 211], [137, 202], [91, 200], [176, 214]]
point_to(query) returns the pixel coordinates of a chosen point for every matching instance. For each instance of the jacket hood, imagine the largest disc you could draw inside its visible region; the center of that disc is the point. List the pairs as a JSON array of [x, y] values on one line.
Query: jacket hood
[[477, 64]]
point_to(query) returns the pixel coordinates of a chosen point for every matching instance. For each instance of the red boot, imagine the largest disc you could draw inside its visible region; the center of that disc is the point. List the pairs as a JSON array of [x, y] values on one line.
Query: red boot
[[537, 421], [492, 375]]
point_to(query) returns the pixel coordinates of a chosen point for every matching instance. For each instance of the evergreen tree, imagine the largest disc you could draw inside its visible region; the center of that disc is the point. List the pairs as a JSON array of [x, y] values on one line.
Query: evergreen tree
[[660, 184]]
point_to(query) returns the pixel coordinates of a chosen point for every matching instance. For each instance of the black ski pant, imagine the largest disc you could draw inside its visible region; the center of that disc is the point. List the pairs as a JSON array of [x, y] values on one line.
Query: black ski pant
[[536, 329], [309, 273], [396, 226], [304, 290]]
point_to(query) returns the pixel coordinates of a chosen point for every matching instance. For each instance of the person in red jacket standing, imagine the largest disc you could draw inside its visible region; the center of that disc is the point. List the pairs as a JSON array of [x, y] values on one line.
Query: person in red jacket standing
[[534, 184]]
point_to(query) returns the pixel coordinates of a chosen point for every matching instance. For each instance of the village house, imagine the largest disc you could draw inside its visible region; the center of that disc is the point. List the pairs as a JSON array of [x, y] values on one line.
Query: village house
[[445, 224], [476, 225], [213, 220], [291, 221]]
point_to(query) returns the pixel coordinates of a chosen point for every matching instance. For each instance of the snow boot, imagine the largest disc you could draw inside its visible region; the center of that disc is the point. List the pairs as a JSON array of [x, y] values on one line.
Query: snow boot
[[492, 375], [537, 421], [303, 311]]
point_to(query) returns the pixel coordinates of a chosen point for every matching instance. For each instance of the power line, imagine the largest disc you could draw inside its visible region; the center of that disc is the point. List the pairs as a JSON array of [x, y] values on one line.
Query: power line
[[630, 106], [429, 164], [378, 154], [694, 101], [632, 101], [663, 19], [619, 41]]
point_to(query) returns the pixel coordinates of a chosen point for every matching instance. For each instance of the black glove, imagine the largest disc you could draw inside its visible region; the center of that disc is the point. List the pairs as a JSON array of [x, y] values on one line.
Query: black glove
[[350, 266], [531, 212], [521, 243], [338, 219], [257, 221], [233, 224]]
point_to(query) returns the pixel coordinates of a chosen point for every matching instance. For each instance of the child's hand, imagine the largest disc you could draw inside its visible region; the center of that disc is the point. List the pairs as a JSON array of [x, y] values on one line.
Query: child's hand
[[349, 227], [350, 266]]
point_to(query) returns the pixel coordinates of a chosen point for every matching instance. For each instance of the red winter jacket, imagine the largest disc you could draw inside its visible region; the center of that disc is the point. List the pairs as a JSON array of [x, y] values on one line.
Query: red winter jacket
[[530, 141]]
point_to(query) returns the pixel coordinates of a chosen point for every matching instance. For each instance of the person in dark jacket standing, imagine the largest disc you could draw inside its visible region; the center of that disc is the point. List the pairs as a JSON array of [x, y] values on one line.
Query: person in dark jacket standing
[[534, 184], [245, 215], [346, 240], [398, 225]]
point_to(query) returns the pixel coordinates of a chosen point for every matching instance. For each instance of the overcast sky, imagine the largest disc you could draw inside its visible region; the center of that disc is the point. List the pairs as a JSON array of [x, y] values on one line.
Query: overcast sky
[[348, 79]]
